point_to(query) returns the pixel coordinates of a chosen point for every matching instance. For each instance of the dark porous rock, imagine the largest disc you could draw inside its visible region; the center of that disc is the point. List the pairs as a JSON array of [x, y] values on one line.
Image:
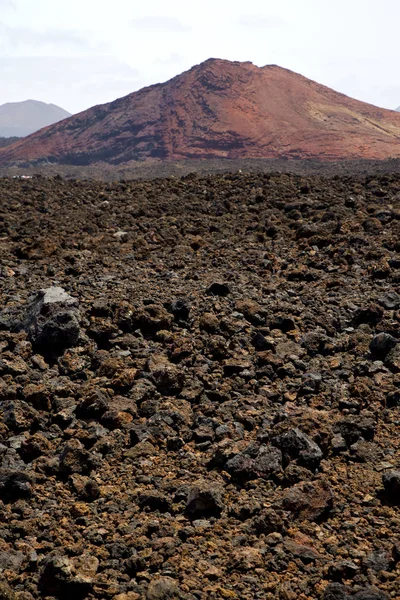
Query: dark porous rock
[[52, 321], [315, 342], [393, 399], [377, 561], [168, 378], [74, 458], [266, 522], [67, 578], [266, 461], [11, 560], [371, 315], [352, 429], [14, 485], [306, 554], [163, 588], [180, 308], [154, 501], [370, 593], [345, 569], [204, 501], [218, 289], [337, 591], [309, 500], [296, 445], [381, 344], [19, 415], [85, 488], [150, 319], [391, 483], [92, 406], [392, 359], [34, 446], [295, 473], [390, 300]]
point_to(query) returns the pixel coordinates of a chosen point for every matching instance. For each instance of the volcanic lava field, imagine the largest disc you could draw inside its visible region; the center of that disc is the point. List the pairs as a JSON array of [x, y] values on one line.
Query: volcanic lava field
[[200, 388]]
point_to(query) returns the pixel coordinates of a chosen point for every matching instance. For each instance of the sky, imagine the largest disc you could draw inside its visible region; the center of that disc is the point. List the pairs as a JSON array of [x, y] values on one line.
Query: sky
[[79, 53]]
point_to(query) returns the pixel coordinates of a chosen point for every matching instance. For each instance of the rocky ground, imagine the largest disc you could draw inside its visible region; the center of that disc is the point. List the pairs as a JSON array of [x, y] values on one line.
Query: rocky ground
[[200, 388]]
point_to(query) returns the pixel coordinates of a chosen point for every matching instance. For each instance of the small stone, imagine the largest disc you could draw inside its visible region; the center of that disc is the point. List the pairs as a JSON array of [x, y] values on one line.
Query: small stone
[[66, 578], [381, 344], [267, 522], [218, 289], [121, 236], [181, 309], [74, 458], [247, 559], [391, 483], [169, 378], [377, 561], [34, 446], [336, 591], [390, 300], [345, 569], [163, 588], [14, 485], [204, 501], [11, 560], [85, 488], [52, 321], [309, 500], [295, 444], [266, 463]]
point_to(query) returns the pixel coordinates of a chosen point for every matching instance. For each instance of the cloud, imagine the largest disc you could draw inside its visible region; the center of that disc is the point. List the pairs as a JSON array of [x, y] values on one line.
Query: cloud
[[25, 36], [259, 21], [160, 23], [39, 42]]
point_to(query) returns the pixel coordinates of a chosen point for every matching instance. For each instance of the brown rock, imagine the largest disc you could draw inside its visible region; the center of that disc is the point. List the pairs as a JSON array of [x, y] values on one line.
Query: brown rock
[[310, 501]]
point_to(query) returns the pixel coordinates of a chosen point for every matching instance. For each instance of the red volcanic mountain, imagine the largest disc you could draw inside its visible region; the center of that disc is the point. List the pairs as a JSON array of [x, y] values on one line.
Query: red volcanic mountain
[[219, 109]]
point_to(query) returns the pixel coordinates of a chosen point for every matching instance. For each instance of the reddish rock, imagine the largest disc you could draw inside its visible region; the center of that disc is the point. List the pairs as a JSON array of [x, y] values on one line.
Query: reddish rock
[[219, 109], [309, 500]]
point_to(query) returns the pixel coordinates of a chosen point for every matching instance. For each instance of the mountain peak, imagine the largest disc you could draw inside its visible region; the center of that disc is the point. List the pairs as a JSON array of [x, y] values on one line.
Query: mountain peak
[[22, 118], [220, 109]]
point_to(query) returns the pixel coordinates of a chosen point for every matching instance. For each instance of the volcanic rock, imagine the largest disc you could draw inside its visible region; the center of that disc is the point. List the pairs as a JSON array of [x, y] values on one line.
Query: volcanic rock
[[204, 501], [391, 483], [219, 109], [241, 446], [381, 344], [310, 501]]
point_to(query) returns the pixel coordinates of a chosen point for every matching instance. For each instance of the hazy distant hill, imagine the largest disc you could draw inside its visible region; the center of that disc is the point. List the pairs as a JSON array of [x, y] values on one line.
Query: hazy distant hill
[[398, 109], [7, 141], [18, 119]]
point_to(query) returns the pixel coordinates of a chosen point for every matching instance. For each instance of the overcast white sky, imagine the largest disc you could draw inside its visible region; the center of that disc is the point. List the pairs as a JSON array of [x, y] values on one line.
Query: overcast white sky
[[77, 53]]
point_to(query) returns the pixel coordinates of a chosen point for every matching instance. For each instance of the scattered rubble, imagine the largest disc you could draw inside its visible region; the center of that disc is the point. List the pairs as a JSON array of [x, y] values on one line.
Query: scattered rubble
[[199, 388]]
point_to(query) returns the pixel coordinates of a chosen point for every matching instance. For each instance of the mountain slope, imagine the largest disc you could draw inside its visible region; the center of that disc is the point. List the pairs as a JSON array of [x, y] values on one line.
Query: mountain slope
[[219, 109], [23, 118]]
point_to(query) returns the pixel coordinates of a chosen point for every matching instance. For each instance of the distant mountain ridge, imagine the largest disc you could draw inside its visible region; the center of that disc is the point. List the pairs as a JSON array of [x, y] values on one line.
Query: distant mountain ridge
[[7, 141], [18, 119], [216, 110]]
